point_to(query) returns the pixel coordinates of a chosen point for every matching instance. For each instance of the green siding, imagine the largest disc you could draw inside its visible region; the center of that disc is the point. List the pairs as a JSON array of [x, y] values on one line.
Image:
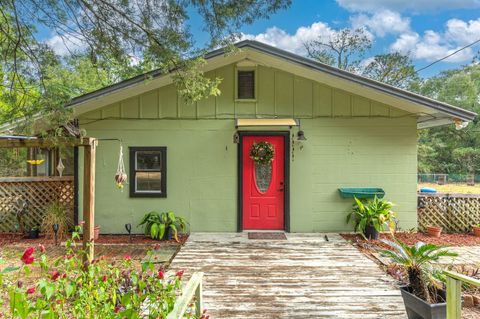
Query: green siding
[[352, 142], [279, 94]]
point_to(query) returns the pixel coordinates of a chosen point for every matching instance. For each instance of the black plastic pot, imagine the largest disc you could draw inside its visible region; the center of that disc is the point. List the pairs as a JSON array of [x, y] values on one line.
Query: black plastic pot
[[33, 233], [419, 309], [370, 232], [168, 234]]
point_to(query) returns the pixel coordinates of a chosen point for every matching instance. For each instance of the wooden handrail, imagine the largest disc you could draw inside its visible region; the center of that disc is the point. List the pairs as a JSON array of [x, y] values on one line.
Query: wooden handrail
[[192, 289], [454, 292]]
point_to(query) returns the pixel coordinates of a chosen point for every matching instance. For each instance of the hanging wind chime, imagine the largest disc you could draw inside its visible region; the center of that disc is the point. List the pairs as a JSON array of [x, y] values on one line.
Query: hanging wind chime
[[60, 167], [120, 175]]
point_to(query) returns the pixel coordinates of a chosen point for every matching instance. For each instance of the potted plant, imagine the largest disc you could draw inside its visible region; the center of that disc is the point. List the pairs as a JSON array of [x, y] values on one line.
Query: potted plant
[[423, 297], [96, 232], [163, 225], [56, 214], [434, 231], [34, 232], [476, 230], [372, 216]]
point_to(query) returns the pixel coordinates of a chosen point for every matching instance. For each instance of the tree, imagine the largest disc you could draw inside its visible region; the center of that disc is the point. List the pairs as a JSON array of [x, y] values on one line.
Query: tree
[[391, 68], [461, 88], [132, 36], [343, 49], [468, 158]]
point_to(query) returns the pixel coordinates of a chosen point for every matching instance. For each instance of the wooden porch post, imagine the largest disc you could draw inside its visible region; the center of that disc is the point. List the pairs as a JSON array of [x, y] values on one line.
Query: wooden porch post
[[89, 197]]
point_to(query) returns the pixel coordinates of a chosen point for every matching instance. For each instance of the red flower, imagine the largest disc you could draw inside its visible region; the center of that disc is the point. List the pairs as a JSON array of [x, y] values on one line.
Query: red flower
[[104, 278], [127, 257], [117, 309], [160, 274], [179, 274], [31, 290], [27, 257], [64, 276], [54, 275], [41, 248]]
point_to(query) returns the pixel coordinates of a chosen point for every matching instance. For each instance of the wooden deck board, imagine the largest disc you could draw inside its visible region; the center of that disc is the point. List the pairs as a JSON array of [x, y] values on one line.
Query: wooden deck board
[[302, 277]]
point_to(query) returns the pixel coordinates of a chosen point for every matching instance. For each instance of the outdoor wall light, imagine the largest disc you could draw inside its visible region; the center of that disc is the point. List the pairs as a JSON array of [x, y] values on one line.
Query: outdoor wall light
[[55, 230], [301, 136]]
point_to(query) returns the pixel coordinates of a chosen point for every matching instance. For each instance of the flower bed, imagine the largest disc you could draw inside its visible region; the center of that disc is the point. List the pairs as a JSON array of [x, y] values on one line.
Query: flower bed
[[35, 287], [413, 237], [18, 239]]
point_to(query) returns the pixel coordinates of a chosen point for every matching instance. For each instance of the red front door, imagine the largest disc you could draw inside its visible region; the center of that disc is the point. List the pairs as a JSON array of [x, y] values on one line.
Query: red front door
[[263, 186]]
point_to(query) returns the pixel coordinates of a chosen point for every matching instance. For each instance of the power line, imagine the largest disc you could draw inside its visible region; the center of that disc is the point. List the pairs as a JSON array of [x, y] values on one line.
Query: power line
[[447, 56]]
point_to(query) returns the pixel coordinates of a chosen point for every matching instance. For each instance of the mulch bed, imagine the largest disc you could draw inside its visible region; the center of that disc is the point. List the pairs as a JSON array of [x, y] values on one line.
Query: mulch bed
[[411, 238], [18, 239]]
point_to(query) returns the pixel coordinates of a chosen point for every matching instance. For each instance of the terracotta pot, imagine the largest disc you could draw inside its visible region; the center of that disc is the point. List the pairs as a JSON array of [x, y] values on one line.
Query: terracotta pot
[[96, 232], [476, 231], [434, 231]]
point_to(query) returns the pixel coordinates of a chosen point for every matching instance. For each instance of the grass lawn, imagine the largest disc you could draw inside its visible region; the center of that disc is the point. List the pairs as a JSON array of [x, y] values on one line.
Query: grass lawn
[[453, 188]]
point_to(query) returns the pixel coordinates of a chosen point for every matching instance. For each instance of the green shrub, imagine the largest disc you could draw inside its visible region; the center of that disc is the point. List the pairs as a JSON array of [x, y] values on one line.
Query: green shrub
[[66, 288]]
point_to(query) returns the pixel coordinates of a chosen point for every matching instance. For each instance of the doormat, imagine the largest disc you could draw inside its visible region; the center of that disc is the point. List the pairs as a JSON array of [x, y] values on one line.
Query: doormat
[[273, 236]]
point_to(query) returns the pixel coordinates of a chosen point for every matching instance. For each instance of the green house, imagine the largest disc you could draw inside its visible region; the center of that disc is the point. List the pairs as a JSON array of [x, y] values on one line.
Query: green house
[[318, 128]]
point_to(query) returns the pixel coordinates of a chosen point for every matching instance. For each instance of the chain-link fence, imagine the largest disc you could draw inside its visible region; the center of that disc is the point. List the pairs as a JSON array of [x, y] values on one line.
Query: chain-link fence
[[448, 178]]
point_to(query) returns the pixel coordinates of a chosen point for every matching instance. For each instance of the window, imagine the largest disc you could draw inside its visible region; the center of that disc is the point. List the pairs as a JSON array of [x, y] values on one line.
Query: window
[[148, 172], [246, 85]]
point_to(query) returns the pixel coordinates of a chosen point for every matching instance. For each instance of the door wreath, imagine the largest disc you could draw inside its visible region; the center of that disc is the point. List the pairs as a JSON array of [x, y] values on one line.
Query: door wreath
[[262, 153]]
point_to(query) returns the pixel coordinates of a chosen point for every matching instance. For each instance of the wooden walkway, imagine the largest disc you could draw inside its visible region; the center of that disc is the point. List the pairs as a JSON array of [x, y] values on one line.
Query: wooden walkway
[[302, 277]]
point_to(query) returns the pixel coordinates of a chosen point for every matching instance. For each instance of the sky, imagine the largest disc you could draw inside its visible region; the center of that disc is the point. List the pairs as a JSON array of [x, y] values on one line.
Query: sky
[[426, 30]]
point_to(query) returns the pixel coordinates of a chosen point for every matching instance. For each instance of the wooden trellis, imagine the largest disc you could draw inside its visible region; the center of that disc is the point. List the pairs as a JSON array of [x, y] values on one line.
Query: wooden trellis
[[37, 193], [455, 213], [89, 146]]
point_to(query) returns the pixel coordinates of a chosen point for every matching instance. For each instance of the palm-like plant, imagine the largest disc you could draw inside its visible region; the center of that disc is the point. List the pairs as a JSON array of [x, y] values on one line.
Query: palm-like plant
[[376, 213], [157, 224], [416, 260]]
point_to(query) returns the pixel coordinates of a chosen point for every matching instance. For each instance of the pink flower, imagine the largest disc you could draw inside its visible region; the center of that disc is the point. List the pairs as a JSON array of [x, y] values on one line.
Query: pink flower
[[160, 275], [27, 257], [82, 223], [54, 275], [41, 248], [127, 257], [179, 274], [31, 291]]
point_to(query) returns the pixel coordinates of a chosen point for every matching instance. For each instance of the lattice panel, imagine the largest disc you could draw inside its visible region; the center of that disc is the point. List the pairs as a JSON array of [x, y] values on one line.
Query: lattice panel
[[454, 213], [38, 193]]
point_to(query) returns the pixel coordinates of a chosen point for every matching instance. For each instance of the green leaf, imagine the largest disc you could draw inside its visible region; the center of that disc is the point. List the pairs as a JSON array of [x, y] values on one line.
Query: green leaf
[[10, 269], [161, 232], [154, 231]]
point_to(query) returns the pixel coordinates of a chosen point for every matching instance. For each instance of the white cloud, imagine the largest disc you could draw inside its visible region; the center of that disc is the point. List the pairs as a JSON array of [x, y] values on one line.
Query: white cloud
[[63, 45], [404, 5], [462, 32], [434, 45], [382, 22], [292, 42]]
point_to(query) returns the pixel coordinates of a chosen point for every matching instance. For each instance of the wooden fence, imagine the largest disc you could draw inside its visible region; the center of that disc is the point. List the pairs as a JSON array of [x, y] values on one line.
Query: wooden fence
[[455, 213], [454, 292], [192, 293], [37, 193]]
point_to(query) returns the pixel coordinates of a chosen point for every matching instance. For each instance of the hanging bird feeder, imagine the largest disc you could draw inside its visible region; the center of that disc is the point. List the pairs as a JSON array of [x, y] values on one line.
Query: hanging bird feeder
[[120, 175]]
